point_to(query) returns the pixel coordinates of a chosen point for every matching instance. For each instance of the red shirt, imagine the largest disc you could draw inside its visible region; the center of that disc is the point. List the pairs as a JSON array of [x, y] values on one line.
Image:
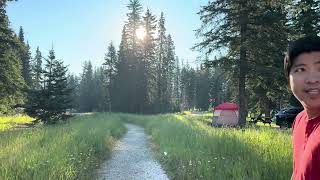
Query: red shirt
[[306, 147]]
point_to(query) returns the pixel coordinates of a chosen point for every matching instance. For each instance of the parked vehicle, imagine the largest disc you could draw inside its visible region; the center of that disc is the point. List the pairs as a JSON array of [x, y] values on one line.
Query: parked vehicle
[[286, 116]]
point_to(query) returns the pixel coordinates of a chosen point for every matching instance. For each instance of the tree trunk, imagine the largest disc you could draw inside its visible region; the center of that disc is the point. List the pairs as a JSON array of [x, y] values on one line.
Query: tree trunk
[[243, 65]]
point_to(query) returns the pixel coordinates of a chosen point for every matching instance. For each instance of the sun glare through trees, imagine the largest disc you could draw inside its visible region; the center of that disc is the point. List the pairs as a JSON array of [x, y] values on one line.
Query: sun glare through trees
[[141, 33]]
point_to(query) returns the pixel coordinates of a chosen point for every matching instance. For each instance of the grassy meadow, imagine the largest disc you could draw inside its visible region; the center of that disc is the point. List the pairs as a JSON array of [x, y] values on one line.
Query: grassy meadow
[[185, 145], [190, 149], [63, 151]]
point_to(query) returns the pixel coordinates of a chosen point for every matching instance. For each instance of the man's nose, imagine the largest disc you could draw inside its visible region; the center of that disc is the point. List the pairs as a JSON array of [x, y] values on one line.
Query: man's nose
[[313, 77]]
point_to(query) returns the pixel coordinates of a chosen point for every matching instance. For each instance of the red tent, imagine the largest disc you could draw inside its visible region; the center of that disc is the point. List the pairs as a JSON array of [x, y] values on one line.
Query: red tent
[[227, 106], [225, 114]]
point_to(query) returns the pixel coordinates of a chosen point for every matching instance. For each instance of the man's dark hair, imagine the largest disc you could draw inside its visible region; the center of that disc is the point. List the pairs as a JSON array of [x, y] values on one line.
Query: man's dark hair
[[303, 45]]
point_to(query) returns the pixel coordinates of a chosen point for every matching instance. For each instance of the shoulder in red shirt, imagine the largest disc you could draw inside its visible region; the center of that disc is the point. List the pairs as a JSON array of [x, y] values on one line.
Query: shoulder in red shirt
[[306, 147]]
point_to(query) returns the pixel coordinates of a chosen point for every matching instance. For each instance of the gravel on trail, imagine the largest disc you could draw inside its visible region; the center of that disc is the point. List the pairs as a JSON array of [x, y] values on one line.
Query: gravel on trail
[[132, 159]]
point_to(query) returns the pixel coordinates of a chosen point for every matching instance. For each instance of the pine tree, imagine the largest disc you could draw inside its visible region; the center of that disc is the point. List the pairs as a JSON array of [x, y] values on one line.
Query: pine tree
[[231, 18], [121, 85], [188, 87], [25, 56], [140, 80], [148, 68], [86, 100], [265, 82], [74, 85], [218, 86], [161, 82], [36, 70], [11, 81], [21, 34], [168, 68], [130, 61], [134, 56], [202, 88], [176, 96], [241, 27], [50, 103], [134, 22], [110, 71], [99, 91], [306, 18]]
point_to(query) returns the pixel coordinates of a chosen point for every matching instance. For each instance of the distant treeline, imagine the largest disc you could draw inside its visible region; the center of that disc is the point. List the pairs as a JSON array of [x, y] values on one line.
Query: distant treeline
[[242, 45], [144, 75]]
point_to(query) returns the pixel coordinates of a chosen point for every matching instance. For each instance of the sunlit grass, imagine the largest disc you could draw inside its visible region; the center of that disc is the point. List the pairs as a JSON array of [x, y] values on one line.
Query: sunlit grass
[[267, 125], [7, 122], [64, 151], [190, 149], [186, 112]]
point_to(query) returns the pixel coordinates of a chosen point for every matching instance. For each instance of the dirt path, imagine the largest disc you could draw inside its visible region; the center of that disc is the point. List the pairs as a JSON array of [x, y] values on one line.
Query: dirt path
[[132, 159]]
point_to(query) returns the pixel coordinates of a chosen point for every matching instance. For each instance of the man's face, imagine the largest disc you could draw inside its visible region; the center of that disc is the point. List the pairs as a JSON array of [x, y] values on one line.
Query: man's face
[[304, 79]]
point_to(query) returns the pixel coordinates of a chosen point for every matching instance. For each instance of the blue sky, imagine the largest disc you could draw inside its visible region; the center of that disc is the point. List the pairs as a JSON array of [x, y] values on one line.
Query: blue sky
[[81, 30]]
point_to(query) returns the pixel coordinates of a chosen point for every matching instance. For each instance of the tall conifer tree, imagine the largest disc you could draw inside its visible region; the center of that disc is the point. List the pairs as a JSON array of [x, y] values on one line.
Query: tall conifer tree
[[110, 71], [148, 66], [11, 81], [25, 56], [50, 103], [37, 70], [161, 82], [306, 18], [86, 100]]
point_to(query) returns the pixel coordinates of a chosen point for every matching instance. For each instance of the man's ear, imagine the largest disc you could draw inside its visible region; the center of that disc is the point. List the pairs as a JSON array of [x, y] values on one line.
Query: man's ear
[[288, 79]]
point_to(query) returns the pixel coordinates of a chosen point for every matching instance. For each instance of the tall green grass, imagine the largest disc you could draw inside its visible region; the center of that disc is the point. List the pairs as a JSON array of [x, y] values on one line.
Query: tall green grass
[[64, 151], [190, 149]]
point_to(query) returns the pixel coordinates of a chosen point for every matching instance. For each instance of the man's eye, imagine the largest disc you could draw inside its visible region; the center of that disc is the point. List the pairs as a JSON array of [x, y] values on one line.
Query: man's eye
[[299, 70]]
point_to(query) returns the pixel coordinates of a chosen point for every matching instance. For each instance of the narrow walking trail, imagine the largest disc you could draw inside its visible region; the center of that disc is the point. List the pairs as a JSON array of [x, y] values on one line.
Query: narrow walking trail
[[132, 159]]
